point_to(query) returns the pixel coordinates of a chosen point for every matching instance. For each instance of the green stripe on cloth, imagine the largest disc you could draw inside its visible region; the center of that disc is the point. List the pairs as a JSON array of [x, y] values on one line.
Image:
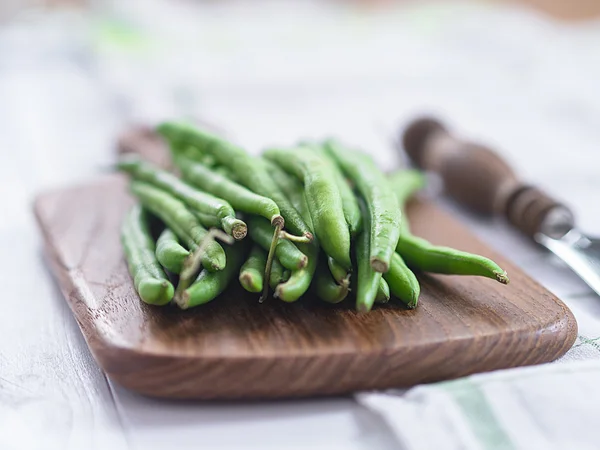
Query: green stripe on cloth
[[478, 413]]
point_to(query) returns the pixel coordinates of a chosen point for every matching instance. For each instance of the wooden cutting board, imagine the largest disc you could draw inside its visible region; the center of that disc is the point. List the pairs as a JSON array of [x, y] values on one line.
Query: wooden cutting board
[[235, 347]]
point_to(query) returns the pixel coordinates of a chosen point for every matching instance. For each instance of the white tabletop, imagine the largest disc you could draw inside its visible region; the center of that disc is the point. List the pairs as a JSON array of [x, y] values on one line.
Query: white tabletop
[[532, 92]]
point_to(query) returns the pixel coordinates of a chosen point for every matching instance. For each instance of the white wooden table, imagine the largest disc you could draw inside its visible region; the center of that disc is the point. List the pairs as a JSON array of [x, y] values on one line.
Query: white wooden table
[[57, 126]]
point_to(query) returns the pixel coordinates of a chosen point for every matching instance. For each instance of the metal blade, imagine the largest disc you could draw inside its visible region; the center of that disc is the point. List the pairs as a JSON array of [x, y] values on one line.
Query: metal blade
[[580, 253]]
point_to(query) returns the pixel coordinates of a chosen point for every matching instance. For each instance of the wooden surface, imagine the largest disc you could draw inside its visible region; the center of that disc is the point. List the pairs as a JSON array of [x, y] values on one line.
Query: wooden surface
[[237, 348]]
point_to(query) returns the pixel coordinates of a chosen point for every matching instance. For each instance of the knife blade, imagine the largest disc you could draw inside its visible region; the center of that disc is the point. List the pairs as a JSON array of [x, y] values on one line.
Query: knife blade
[[478, 178]]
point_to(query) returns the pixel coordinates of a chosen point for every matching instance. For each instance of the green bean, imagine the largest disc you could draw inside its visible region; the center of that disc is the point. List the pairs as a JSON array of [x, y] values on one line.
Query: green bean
[[349, 202], [328, 290], [289, 185], [181, 221], [402, 282], [288, 254], [383, 292], [405, 183], [241, 198], [207, 220], [194, 199], [300, 280], [384, 214], [169, 252], [340, 275], [253, 270], [421, 255], [322, 196], [247, 169], [149, 279], [279, 274], [368, 279], [209, 285]]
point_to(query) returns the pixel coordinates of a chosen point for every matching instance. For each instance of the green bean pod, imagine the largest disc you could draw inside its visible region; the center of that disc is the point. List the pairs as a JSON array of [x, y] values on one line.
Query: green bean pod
[[253, 270], [288, 254], [181, 221], [247, 169], [209, 285], [349, 201], [368, 280], [300, 279], [405, 183], [194, 199], [403, 283], [383, 292], [241, 198], [322, 197], [149, 279], [169, 252], [340, 275], [208, 220], [279, 274], [328, 290], [384, 214], [421, 255]]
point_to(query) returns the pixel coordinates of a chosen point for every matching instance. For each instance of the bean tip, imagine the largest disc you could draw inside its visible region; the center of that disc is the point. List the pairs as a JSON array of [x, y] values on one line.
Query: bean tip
[[183, 300], [303, 262], [378, 265], [363, 308], [239, 232], [502, 277], [278, 221]]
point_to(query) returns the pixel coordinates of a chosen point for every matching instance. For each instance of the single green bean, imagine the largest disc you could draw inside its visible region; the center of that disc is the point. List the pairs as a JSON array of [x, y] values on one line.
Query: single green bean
[[194, 199], [288, 254], [421, 255], [208, 220], [149, 279], [349, 201], [169, 252], [383, 292], [402, 282], [279, 274], [181, 221], [384, 214], [368, 280], [322, 197], [241, 198], [247, 169], [209, 285], [406, 183], [340, 275], [253, 270], [300, 279], [328, 290]]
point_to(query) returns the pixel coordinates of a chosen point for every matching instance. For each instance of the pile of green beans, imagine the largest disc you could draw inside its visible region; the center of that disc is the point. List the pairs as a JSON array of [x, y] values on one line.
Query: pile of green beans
[[315, 217]]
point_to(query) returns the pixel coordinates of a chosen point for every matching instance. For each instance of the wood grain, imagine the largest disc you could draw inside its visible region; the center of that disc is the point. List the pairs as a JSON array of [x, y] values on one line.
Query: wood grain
[[237, 348]]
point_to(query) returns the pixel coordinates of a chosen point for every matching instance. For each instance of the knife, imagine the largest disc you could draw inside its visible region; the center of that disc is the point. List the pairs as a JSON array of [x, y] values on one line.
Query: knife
[[479, 179]]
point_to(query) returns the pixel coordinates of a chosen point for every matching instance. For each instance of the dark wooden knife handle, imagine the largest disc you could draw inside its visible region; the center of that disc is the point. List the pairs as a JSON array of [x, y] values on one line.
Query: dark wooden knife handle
[[480, 179]]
